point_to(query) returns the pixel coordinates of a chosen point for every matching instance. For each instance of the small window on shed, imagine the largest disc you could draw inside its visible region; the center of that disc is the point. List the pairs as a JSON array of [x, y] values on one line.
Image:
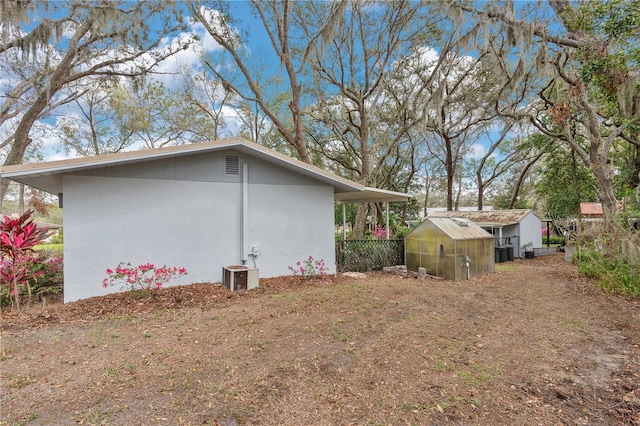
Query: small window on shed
[[232, 165]]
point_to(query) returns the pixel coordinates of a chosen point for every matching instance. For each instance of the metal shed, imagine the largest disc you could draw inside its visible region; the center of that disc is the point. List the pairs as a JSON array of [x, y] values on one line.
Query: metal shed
[[451, 248]]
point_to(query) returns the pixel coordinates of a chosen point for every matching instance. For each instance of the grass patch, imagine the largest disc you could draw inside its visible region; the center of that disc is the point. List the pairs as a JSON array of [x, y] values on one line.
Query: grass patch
[[572, 325], [56, 249], [507, 267], [26, 419], [18, 382]]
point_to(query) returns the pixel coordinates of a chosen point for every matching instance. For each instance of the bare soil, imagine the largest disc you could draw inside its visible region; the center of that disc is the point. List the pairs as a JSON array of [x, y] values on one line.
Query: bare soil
[[532, 344]]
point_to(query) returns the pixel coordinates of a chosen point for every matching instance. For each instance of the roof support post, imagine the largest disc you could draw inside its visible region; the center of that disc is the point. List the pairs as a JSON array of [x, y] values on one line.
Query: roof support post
[[344, 222], [387, 224], [548, 234]]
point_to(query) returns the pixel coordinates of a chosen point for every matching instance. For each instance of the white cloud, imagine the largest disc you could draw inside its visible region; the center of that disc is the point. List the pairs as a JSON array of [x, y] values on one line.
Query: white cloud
[[168, 71], [477, 151], [61, 156]]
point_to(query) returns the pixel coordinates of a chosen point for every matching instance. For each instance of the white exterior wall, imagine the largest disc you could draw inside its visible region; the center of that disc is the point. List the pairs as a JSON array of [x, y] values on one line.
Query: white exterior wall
[[531, 230], [191, 224]]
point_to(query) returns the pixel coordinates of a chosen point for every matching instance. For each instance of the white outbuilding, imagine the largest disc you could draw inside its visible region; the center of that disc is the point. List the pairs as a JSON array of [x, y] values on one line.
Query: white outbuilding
[[515, 228]]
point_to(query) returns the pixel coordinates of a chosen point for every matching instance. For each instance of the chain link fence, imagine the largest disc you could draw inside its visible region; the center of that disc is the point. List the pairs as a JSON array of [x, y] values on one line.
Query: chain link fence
[[368, 255]]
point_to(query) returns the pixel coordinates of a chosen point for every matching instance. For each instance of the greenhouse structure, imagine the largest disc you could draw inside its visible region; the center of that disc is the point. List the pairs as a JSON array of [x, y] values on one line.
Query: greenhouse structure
[[451, 248]]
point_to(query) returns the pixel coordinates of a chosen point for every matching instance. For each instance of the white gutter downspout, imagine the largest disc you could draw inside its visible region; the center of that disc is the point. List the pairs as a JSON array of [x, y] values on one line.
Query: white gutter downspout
[[245, 213]]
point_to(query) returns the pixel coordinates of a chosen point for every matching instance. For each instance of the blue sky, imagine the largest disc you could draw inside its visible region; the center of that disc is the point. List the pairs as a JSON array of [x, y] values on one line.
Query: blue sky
[[258, 43]]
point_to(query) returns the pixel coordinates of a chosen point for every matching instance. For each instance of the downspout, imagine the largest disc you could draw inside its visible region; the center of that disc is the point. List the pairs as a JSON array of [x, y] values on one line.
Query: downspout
[[245, 214]]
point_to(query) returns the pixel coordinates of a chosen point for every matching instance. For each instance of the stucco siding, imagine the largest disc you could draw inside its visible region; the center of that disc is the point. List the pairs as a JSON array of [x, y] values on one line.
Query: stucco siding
[[290, 223], [177, 223], [208, 167], [191, 224]]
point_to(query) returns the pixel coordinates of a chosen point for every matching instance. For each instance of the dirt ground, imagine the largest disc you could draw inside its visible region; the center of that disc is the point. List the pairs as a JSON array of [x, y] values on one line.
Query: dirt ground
[[532, 344]]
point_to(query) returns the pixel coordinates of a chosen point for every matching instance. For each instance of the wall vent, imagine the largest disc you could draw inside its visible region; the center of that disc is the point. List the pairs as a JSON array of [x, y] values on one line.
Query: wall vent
[[232, 165]]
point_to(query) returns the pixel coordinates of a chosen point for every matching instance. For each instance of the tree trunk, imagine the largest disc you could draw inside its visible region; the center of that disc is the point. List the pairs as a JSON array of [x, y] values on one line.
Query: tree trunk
[[456, 205], [576, 182], [361, 221], [21, 200], [605, 191], [634, 166], [451, 170], [365, 170], [427, 185], [521, 177], [480, 196], [21, 139]]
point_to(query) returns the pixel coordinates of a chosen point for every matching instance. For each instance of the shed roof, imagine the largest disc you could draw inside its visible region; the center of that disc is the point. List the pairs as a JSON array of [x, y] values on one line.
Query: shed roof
[[595, 209], [459, 228], [489, 218], [47, 176], [591, 209]]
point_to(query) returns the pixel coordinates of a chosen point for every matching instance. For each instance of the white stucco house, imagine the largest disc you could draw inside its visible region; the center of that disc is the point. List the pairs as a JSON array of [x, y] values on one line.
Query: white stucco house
[[515, 227], [201, 206]]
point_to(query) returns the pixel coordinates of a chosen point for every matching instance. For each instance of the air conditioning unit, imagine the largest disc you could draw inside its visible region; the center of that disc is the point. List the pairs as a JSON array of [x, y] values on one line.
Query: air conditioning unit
[[240, 277]]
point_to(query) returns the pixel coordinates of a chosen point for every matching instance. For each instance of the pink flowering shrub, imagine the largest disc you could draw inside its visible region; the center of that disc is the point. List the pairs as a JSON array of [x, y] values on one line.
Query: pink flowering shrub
[[143, 278], [46, 274], [310, 268], [380, 232]]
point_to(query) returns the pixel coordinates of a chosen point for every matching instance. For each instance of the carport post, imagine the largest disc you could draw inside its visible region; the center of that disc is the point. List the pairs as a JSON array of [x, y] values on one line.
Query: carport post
[[344, 222], [548, 235], [387, 225]]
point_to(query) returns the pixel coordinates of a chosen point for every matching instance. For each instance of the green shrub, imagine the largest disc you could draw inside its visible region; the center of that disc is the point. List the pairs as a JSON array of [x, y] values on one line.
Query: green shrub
[[46, 274], [57, 238], [45, 278], [612, 261], [553, 240]]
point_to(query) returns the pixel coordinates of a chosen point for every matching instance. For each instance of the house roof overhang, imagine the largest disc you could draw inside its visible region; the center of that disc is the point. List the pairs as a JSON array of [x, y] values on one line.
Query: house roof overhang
[[48, 176], [371, 195]]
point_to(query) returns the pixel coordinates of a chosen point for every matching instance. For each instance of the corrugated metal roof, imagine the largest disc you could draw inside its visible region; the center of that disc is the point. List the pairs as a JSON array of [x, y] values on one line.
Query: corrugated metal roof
[[591, 209], [488, 218], [595, 209], [459, 228]]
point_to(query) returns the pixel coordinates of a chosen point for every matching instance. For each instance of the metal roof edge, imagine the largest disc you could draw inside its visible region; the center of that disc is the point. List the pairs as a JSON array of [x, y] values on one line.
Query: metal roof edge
[[372, 195], [112, 158], [60, 166]]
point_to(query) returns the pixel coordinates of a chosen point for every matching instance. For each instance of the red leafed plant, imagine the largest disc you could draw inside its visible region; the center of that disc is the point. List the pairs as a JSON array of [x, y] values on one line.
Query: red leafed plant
[[18, 237]]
